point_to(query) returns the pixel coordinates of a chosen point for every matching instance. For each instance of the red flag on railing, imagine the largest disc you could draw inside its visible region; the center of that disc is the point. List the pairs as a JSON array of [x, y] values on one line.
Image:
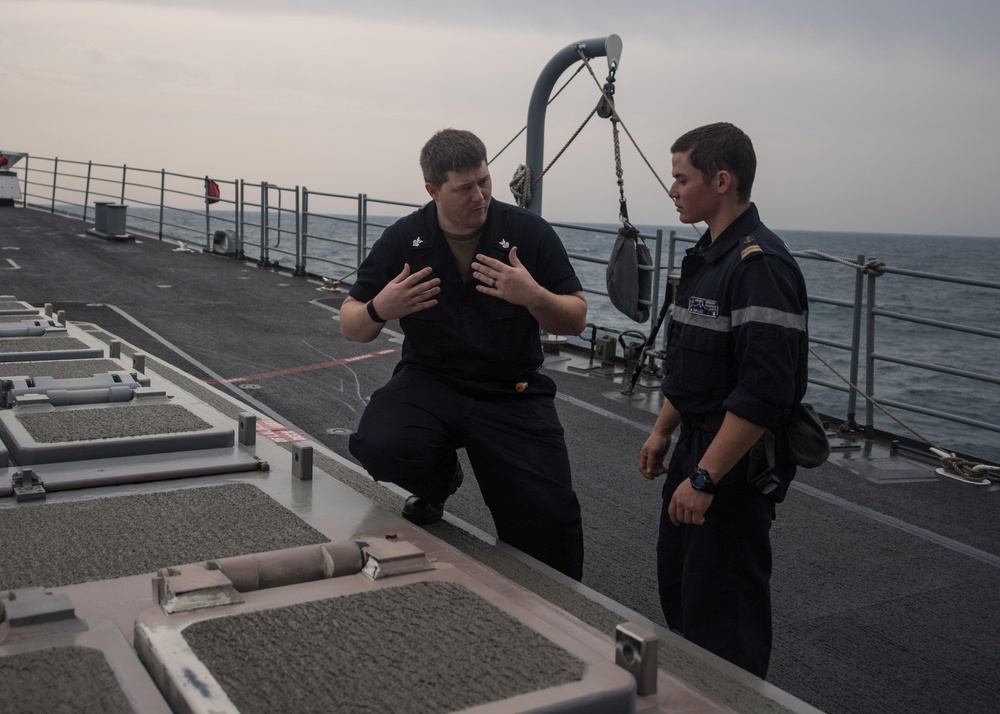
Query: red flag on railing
[[212, 192]]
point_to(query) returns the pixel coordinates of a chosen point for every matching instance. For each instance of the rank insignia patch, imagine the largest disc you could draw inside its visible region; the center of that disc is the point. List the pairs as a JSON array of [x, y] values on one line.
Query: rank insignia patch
[[749, 247]]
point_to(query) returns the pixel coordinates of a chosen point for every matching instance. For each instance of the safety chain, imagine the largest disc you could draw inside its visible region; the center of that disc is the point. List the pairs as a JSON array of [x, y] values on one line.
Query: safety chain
[[522, 183], [617, 117], [623, 206], [962, 469]]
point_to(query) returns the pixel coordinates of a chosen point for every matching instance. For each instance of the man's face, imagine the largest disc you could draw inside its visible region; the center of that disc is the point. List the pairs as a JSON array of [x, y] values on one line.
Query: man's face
[[463, 200], [694, 198]]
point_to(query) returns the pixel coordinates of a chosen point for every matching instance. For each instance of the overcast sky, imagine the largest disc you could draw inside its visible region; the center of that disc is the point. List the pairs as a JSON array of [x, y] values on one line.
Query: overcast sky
[[866, 115]]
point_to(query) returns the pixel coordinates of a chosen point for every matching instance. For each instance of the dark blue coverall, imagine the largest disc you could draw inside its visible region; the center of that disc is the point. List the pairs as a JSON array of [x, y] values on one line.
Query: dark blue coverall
[[737, 342], [469, 377]]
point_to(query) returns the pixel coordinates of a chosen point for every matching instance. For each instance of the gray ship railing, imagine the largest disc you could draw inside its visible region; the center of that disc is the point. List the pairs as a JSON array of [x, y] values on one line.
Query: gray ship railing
[[296, 228], [872, 311]]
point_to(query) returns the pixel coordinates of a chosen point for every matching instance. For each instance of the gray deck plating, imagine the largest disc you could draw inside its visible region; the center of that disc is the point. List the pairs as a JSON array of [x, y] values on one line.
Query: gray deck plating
[[868, 616]]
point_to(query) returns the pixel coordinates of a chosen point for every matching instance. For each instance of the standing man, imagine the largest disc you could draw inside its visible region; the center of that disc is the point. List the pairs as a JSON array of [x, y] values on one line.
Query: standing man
[[470, 280], [735, 365]]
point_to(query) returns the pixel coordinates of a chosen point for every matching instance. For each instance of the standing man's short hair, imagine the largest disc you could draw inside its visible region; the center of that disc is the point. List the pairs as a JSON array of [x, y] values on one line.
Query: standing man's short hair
[[450, 150], [715, 147]]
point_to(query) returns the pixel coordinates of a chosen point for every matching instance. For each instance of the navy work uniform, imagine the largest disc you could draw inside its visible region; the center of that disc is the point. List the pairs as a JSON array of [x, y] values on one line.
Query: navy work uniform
[[469, 377], [737, 343]]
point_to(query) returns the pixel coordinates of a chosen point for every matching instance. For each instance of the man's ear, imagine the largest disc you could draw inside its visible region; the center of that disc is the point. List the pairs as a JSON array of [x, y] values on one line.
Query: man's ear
[[724, 181], [432, 190]]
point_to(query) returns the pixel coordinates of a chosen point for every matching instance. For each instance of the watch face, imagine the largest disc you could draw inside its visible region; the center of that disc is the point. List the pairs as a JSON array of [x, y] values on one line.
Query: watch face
[[701, 481]]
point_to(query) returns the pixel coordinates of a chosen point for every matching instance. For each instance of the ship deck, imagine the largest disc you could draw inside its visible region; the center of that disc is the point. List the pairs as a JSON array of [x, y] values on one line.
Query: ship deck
[[885, 574]]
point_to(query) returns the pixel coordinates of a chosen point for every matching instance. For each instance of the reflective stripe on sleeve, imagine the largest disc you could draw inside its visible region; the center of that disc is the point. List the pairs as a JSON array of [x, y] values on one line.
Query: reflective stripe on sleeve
[[770, 316]]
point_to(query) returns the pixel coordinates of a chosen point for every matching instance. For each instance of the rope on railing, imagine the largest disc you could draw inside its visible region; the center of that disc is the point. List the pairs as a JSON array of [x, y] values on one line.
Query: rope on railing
[[522, 182], [520, 185], [951, 465], [872, 267]]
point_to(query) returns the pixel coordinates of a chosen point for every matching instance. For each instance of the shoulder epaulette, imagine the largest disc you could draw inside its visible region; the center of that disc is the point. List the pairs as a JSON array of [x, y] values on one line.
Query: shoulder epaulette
[[748, 247]]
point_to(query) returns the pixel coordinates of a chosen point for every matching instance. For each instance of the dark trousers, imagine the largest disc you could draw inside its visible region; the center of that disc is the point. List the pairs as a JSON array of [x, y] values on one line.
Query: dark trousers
[[714, 578], [412, 427]]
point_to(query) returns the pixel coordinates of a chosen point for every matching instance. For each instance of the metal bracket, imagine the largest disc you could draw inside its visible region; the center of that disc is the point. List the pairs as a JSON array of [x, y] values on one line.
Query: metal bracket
[[247, 428], [386, 558], [302, 462], [27, 486], [636, 652], [192, 587], [34, 606]]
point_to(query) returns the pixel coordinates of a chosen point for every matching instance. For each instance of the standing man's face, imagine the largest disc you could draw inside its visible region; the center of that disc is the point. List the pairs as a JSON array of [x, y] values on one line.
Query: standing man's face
[[694, 198], [463, 200]]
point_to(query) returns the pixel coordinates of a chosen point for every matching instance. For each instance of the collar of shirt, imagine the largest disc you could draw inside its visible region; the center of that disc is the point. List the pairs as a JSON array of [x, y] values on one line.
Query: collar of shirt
[[712, 251]]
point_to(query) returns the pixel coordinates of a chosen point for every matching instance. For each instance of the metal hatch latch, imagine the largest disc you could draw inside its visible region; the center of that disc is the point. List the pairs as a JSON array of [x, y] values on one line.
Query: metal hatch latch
[[388, 557], [192, 587], [36, 606], [27, 486], [636, 652]]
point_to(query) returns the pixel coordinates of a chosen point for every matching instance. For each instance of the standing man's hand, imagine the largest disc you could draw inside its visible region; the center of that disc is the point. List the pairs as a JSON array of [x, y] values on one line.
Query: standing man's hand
[[688, 506], [652, 455]]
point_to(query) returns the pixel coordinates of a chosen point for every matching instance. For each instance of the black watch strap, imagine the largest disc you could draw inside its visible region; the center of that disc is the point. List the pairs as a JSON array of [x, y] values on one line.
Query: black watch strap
[[701, 481], [371, 312]]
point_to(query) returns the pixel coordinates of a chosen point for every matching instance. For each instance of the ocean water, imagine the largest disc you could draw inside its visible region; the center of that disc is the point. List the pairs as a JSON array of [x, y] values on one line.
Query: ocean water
[[332, 253], [953, 304]]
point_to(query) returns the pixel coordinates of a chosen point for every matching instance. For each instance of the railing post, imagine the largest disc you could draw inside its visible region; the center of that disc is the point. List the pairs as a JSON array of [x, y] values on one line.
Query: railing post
[[238, 215], [301, 224], [870, 359], [362, 228], [263, 261], [852, 395], [86, 191], [671, 264], [281, 195], [163, 198], [24, 195], [654, 308], [55, 178], [124, 175], [208, 223]]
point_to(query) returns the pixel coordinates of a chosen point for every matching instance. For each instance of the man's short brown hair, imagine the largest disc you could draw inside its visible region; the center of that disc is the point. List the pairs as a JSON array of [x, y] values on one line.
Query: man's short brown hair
[[450, 150], [715, 147]]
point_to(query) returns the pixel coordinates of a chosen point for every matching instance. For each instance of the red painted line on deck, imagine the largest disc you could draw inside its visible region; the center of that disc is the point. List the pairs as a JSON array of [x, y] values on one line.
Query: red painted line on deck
[[304, 368]]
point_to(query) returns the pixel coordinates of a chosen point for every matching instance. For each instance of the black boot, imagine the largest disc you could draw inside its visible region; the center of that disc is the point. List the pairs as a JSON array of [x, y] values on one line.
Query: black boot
[[423, 511]]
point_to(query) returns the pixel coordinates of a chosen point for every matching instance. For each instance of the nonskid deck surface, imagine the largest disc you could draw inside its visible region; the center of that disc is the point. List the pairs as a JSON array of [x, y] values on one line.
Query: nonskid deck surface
[[884, 578], [268, 576]]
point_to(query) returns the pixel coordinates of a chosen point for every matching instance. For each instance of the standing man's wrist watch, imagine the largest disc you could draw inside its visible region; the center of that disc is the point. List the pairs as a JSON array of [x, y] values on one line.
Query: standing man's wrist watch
[[701, 481]]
